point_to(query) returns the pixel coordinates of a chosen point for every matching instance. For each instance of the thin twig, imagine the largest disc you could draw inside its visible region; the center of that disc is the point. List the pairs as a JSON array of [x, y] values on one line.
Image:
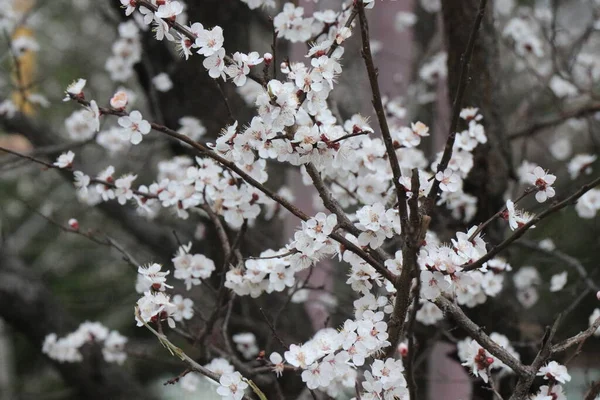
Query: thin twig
[[555, 120], [450, 308], [381, 117], [230, 165], [108, 241], [92, 180], [565, 258], [580, 337], [273, 331], [523, 229], [482, 226], [176, 379]]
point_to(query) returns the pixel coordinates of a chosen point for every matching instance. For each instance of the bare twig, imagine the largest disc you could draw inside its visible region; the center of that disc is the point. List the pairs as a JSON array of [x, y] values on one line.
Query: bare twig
[[221, 233], [380, 111], [108, 241], [580, 337], [482, 226], [523, 229], [593, 392], [525, 380], [92, 180], [273, 331], [555, 120], [453, 310], [176, 379], [565, 258], [230, 165]]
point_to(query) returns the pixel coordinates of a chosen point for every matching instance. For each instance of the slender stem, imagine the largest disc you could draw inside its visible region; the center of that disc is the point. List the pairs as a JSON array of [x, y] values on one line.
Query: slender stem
[[475, 331], [555, 120], [522, 230], [380, 111], [482, 226]]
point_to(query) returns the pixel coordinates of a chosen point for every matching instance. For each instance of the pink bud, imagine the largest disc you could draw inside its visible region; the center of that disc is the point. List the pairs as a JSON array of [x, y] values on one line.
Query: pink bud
[[598, 294], [268, 58], [74, 224], [403, 349], [489, 360], [119, 100]]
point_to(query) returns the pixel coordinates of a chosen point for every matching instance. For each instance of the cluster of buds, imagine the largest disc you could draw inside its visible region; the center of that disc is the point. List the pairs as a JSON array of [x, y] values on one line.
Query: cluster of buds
[[482, 360]]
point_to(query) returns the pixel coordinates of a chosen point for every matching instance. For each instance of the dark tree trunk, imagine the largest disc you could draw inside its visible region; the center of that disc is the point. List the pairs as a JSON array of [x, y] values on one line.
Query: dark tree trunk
[[194, 93], [489, 178]]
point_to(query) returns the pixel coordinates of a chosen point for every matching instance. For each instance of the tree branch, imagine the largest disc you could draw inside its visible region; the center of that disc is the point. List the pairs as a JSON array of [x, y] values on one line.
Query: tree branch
[[522, 230], [475, 331], [380, 111], [550, 122]]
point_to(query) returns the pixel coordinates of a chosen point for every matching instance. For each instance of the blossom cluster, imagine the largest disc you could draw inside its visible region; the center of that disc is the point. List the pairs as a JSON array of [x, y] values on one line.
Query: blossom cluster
[[156, 305], [479, 360], [442, 270], [68, 348], [274, 270], [295, 126]]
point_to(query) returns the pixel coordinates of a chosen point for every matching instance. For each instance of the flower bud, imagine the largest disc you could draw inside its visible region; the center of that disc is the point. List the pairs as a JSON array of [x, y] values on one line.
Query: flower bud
[[74, 224], [268, 58], [119, 100], [403, 349]]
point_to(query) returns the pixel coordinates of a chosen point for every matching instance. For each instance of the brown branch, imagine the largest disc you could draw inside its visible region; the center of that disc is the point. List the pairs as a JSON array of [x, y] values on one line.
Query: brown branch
[[482, 226], [230, 165], [410, 362], [344, 222], [593, 392], [281, 255], [525, 381], [380, 111], [579, 338], [221, 233], [273, 331], [329, 201], [350, 135], [108, 241], [30, 158], [458, 99], [475, 331], [92, 180], [176, 379], [554, 121], [413, 238], [522, 230]]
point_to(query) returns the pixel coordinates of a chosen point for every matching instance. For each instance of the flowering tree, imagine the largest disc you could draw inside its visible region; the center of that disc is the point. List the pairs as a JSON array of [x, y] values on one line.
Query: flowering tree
[[421, 238]]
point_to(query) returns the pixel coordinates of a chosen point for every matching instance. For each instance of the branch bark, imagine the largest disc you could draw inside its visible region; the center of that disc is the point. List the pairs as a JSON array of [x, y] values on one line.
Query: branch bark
[[475, 331]]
